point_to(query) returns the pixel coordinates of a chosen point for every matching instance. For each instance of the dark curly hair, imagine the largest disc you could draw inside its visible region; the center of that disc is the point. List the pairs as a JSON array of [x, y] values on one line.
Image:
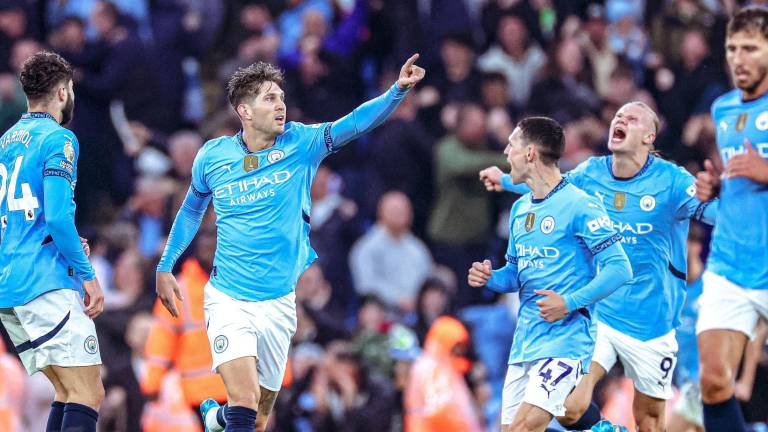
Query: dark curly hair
[[749, 19], [247, 81], [42, 72]]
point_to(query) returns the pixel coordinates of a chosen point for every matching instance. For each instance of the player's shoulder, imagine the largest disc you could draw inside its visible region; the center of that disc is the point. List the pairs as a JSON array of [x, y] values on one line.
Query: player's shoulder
[[215, 145], [592, 166], [579, 201], [726, 100], [670, 169], [294, 130]]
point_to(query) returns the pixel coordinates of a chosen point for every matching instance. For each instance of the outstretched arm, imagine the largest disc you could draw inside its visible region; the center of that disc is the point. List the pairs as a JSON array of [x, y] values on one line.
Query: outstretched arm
[[184, 228], [371, 114]]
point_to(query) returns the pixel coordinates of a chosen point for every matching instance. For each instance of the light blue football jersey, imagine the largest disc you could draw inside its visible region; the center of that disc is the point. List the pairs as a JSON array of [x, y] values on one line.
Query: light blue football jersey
[[553, 242], [262, 207], [30, 262], [739, 248], [652, 212]]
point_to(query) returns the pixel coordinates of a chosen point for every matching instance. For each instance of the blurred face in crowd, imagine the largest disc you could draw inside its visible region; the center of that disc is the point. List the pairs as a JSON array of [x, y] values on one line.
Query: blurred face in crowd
[[266, 111], [183, 147], [456, 55], [569, 58], [632, 129], [205, 249], [512, 34], [103, 18], [747, 56], [395, 213], [495, 93], [693, 49], [472, 128], [433, 303], [22, 50], [312, 284]]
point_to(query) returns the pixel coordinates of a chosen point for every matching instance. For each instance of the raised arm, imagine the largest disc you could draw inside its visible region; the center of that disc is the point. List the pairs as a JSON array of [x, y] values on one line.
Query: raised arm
[[371, 114]]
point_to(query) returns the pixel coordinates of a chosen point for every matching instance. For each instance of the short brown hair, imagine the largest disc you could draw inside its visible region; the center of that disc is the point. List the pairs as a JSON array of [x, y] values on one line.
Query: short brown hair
[[247, 81], [547, 135], [749, 19], [42, 72]]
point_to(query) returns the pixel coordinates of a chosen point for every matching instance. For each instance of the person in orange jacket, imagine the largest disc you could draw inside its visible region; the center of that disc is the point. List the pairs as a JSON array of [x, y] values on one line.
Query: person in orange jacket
[[437, 397], [12, 383], [181, 343]]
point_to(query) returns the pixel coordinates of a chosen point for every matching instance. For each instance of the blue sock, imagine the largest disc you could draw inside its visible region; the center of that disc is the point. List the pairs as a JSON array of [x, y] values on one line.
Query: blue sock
[[221, 415], [79, 418], [590, 418], [240, 419], [55, 417], [724, 416]]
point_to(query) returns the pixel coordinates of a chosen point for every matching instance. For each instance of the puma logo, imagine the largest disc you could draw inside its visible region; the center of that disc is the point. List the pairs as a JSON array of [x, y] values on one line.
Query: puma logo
[[547, 390]]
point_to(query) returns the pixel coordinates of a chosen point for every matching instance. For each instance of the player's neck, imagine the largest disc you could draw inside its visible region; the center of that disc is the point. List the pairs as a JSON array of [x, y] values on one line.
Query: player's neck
[[543, 180], [256, 140], [627, 165], [56, 114]]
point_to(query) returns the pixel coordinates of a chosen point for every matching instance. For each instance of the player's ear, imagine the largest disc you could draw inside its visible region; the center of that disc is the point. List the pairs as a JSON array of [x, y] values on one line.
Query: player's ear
[[62, 93], [649, 138], [243, 111]]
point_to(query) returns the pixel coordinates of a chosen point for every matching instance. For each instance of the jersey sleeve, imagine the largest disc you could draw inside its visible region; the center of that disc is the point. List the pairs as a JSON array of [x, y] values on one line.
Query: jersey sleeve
[[504, 280], [686, 204], [333, 136], [60, 157], [199, 185], [593, 226], [59, 178]]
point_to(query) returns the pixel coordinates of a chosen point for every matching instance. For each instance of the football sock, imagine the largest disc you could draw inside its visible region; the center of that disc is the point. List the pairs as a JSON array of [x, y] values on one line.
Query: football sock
[[55, 417], [79, 418]]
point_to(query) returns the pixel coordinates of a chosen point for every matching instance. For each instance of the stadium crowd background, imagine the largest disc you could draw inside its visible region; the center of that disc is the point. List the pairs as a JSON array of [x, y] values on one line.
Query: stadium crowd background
[[398, 216]]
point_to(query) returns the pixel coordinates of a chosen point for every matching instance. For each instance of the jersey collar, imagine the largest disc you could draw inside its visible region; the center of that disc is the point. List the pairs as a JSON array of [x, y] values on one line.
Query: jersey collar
[[37, 115], [241, 141], [643, 169], [559, 186]]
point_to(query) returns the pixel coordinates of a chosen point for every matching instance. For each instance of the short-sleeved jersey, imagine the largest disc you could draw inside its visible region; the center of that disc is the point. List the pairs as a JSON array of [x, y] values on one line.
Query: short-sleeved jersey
[[651, 211], [30, 264], [553, 242], [262, 207], [739, 248]]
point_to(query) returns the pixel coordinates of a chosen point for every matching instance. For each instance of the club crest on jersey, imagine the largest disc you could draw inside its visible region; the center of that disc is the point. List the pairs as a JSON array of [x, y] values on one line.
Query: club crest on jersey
[[220, 344], [91, 345], [275, 155], [761, 122], [619, 200], [530, 218], [741, 122], [250, 163], [647, 203], [547, 224], [69, 151]]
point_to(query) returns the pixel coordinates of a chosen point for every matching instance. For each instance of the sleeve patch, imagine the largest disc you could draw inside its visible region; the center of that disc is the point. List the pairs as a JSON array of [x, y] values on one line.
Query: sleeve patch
[[512, 259], [69, 151], [67, 166], [327, 138], [198, 193], [603, 245], [58, 173]]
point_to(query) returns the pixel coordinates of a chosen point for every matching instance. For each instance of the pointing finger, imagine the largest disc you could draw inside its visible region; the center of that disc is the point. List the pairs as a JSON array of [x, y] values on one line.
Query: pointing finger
[[411, 61]]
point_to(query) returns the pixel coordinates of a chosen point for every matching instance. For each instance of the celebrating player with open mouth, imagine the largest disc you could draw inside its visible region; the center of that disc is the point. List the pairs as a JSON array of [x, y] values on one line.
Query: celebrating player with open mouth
[[650, 202], [559, 236]]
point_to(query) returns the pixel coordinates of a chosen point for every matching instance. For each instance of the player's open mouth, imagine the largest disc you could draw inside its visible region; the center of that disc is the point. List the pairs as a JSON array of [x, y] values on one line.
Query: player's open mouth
[[280, 119], [618, 134]]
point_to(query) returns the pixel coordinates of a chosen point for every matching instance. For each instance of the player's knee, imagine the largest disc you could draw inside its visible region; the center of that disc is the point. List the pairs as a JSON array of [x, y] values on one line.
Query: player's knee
[[716, 383], [573, 412], [244, 397], [650, 422], [91, 395], [525, 425]]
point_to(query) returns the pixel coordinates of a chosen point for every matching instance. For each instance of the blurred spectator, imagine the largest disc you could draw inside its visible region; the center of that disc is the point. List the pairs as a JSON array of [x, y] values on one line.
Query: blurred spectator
[[147, 208], [516, 56], [625, 35], [404, 350], [180, 344], [461, 197], [334, 225], [401, 159], [13, 102], [13, 26], [291, 21], [12, 389], [313, 295], [593, 37], [437, 397], [182, 148], [432, 302], [565, 94], [389, 260]]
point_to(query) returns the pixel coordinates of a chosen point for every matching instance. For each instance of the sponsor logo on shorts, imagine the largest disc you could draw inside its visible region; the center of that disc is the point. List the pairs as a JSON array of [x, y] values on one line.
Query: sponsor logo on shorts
[[220, 344], [91, 345]]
